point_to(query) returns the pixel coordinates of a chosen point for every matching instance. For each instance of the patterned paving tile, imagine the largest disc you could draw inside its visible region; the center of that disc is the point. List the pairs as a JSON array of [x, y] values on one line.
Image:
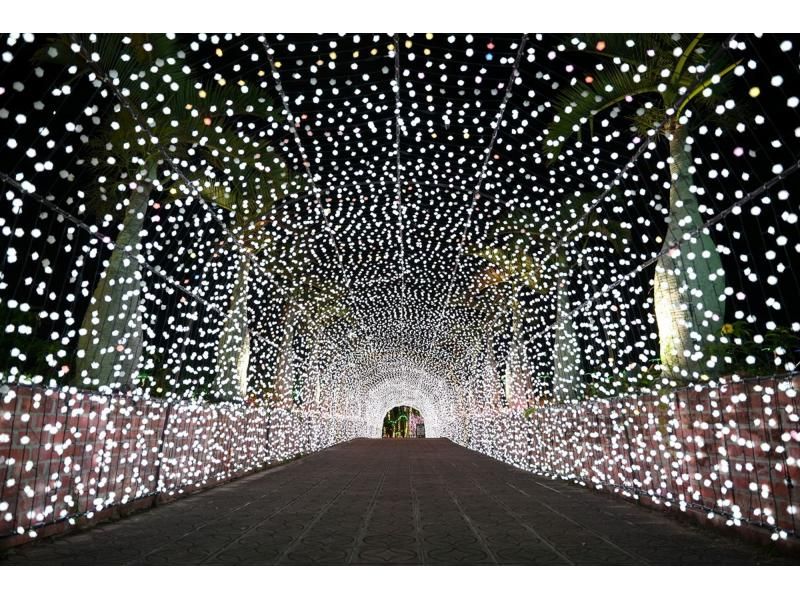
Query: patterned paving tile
[[395, 502]]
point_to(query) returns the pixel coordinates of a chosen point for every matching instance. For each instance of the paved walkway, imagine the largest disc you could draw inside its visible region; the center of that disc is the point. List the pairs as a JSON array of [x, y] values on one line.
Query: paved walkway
[[399, 502]]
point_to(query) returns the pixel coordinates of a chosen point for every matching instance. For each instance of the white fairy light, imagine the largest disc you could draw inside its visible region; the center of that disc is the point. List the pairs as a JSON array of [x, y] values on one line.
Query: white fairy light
[[224, 251]]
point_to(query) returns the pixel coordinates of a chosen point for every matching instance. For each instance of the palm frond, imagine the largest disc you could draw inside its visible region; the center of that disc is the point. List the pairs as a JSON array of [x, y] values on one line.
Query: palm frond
[[631, 48], [578, 105], [667, 66]]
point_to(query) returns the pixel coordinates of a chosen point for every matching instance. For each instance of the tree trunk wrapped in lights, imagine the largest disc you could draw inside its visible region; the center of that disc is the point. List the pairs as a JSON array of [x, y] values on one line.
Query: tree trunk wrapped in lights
[[233, 347], [689, 280], [493, 389], [518, 387], [110, 346], [284, 370], [567, 371]]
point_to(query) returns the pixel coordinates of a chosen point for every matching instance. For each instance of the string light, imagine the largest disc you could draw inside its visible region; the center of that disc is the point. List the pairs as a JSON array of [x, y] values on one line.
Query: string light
[[570, 272]]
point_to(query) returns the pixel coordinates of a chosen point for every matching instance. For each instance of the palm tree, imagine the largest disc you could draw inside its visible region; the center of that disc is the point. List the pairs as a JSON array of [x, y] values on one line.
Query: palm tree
[[315, 306], [672, 83], [309, 307], [250, 201], [511, 251], [509, 267], [176, 105]]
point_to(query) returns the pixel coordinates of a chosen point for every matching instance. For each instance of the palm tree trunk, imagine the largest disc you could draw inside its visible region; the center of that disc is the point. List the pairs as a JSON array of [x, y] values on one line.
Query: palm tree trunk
[[518, 384], [567, 383], [233, 347], [495, 390], [284, 375], [689, 280], [109, 352]]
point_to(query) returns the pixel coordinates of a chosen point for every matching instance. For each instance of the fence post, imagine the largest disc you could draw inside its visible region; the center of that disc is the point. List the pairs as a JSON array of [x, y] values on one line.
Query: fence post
[[160, 453]]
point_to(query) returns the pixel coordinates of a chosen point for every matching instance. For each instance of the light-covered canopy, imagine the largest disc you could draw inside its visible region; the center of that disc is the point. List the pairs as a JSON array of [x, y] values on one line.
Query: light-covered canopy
[[367, 220]]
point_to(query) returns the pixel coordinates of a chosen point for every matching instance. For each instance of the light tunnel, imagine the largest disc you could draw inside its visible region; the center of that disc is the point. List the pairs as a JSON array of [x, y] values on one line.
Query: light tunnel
[[429, 396], [576, 254]]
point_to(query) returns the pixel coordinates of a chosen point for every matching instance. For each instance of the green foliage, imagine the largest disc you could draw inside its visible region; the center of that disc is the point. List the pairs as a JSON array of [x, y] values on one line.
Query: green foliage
[[740, 349], [200, 118], [24, 344], [155, 374], [395, 423], [517, 241], [195, 106], [644, 67]]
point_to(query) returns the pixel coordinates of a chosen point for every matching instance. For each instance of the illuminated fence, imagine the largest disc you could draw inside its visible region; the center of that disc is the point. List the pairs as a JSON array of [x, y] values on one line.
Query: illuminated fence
[[71, 455], [731, 453]]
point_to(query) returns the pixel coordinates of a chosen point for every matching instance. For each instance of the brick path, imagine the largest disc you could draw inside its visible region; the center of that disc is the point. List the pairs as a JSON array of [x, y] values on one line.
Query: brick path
[[396, 502]]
